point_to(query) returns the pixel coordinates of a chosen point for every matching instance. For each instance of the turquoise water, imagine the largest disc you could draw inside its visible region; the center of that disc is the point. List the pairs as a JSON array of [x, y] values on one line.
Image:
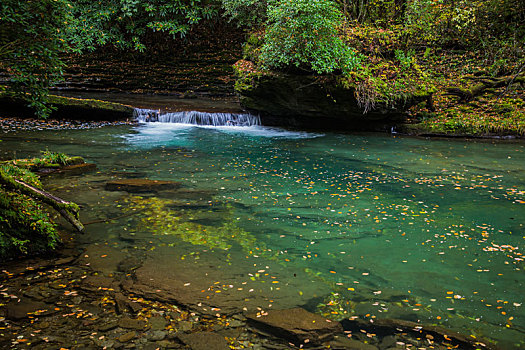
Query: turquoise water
[[381, 226]]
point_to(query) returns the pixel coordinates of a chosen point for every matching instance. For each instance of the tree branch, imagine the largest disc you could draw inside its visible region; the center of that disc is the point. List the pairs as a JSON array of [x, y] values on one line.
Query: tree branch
[[68, 210]]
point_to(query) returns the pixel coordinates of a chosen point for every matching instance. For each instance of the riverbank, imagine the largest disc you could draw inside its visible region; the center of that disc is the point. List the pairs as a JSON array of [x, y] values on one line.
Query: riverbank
[[419, 122], [73, 301]]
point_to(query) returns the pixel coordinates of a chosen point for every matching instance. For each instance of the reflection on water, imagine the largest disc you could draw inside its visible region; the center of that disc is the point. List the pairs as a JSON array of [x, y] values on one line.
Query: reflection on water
[[368, 226]]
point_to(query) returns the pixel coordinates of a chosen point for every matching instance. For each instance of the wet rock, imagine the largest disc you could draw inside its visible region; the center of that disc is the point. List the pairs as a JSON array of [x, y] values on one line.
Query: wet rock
[[343, 343], [121, 303], [182, 283], [129, 264], [298, 100], [156, 335], [141, 185], [236, 323], [33, 294], [20, 310], [158, 323], [204, 341], [42, 325], [107, 326], [184, 326], [295, 325], [129, 174], [166, 344], [134, 306], [77, 300], [58, 284], [388, 342], [78, 169], [64, 261], [102, 258], [131, 323], [127, 337], [97, 282], [101, 343]]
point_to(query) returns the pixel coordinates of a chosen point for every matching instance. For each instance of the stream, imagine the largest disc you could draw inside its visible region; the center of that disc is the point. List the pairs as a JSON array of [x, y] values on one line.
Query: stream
[[356, 225]]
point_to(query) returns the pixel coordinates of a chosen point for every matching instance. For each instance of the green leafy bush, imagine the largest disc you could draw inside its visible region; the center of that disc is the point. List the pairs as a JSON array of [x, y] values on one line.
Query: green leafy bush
[[304, 34], [250, 13], [31, 41], [124, 23]]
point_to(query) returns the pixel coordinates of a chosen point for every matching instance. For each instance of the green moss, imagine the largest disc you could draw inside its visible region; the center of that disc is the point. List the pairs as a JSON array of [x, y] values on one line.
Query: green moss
[[68, 108], [25, 226], [59, 101], [48, 160]]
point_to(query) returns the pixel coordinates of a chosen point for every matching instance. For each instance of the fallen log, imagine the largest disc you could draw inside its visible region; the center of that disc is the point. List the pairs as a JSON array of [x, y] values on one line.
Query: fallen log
[[484, 83], [68, 210]]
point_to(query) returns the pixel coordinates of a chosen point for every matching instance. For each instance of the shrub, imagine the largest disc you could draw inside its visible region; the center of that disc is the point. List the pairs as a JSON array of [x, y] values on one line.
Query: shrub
[[304, 34]]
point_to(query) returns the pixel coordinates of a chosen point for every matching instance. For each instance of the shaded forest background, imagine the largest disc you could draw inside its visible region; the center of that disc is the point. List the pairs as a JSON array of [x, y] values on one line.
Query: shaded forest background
[[384, 49]]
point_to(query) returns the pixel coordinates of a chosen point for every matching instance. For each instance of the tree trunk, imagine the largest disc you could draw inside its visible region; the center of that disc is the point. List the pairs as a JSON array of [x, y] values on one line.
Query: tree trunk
[[67, 209], [485, 83]]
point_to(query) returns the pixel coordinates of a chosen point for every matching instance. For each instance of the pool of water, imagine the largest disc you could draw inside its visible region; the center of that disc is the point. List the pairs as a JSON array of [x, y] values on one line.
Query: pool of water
[[346, 225]]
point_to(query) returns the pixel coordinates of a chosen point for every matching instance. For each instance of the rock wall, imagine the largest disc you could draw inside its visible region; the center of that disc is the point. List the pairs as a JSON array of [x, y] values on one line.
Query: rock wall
[[314, 101]]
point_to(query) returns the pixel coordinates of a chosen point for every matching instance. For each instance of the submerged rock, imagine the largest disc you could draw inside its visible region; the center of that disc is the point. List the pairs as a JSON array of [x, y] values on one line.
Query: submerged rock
[[296, 325], [17, 310], [141, 185], [204, 341], [78, 168]]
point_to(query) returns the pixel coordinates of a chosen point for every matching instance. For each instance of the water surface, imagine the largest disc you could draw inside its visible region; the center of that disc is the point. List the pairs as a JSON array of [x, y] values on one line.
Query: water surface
[[375, 226]]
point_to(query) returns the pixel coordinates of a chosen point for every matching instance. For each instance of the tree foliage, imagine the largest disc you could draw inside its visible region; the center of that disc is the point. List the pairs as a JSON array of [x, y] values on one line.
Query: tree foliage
[[304, 33], [34, 34], [248, 13], [124, 23], [31, 41]]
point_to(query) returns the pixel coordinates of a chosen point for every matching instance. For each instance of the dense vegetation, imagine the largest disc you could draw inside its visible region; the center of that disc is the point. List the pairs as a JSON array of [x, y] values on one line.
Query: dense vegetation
[[26, 227], [385, 49]]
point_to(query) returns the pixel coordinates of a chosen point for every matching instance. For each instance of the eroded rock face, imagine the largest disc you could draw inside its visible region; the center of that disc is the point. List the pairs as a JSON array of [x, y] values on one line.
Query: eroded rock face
[[141, 185], [314, 101], [296, 325]]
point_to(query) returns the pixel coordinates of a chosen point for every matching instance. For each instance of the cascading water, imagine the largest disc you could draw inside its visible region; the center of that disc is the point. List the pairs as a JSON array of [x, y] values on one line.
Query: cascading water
[[197, 118]]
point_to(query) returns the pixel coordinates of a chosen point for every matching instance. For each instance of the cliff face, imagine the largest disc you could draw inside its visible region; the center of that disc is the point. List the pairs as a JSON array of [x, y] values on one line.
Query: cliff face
[[314, 101]]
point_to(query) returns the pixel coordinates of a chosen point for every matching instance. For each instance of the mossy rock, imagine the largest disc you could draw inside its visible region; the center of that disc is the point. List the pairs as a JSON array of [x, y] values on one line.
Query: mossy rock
[[314, 101], [68, 108]]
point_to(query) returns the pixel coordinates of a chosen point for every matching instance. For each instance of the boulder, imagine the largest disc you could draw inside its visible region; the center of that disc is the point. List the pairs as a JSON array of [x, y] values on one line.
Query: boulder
[[296, 325], [314, 101], [141, 185]]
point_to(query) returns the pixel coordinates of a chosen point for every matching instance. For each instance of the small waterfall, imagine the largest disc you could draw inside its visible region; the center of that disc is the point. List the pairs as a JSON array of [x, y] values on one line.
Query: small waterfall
[[197, 118]]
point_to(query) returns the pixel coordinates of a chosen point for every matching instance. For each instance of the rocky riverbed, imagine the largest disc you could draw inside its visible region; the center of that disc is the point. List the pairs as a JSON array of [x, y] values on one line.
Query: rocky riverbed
[[75, 301], [103, 296]]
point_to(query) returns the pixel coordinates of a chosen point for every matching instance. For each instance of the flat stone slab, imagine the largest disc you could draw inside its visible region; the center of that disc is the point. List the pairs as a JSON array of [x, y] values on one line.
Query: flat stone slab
[[27, 307], [191, 280], [295, 325], [102, 258], [141, 185], [204, 341]]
